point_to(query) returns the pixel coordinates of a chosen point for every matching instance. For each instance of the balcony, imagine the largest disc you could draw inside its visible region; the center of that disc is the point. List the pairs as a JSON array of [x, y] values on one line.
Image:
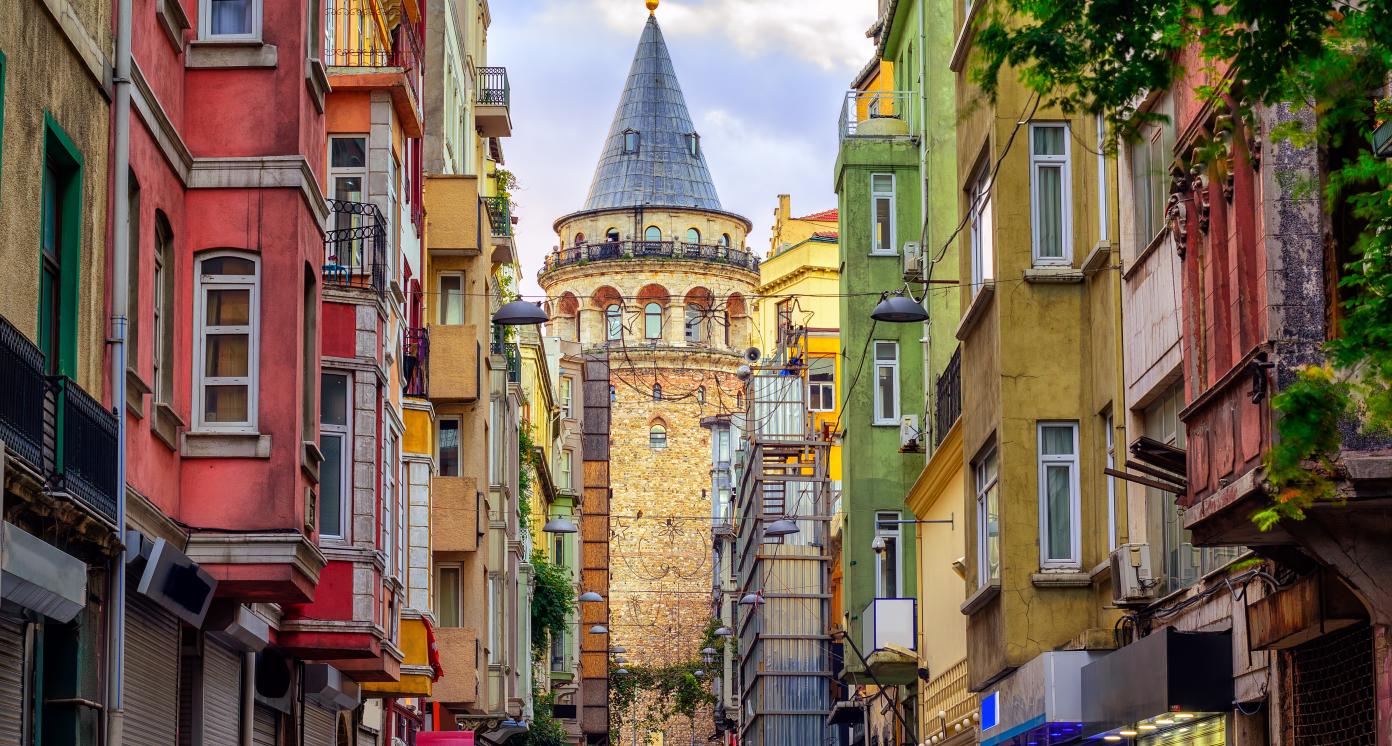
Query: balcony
[[456, 363], [615, 250], [459, 657], [454, 524], [415, 369], [500, 220], [450, 230], [947, 400], [889, 630], [355, 250], [364, 50], [493, 115], [56, 428], [878, 114]]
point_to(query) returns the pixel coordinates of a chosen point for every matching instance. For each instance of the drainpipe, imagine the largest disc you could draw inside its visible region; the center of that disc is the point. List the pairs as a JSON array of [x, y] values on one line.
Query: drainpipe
[[120, 270], [249, 698]]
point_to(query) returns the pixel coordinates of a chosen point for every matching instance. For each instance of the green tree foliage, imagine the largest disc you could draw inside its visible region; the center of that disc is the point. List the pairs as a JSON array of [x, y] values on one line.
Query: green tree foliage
[[553, 601], [544, 729], [648, 696], [1326, 59]]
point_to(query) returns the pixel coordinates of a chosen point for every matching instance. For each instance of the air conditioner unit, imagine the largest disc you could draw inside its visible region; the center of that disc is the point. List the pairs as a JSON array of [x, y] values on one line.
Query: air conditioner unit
[[908, 432], [1132, 582], [913, 261]]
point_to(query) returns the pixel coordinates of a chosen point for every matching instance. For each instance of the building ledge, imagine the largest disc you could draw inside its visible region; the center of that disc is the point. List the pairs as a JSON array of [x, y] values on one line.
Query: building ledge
[[280, 567], [975, 311], [1061, 580], [202, 55], [225, 445], [979, 600], [166, 425], [1062, 275]]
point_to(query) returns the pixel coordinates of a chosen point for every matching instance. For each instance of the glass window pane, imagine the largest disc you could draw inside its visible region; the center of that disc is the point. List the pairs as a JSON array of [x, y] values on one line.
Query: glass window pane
[[881, 183], [1050, 183], [349, 152], [653, 233], [652, 320], [1056, 440], [226, 356], [348, 189], [225, 403], [449, 448], [231, 17], [229, 307], [1059, 498], [1048, 141], [331, 485], [885, 351], [228, 265], [333, 399], [992, 505], [693, 235], [884, 388], [614, 322], [882, 225], [451, 299], [447, 597]]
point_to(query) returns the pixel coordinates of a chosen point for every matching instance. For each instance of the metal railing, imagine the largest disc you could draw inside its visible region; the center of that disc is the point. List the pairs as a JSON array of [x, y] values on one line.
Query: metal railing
[[22, 389], [85, 466], [878, 114], [494, 89], [514, 363], [357, 34], [415, 348], [717, 253], [947, 401], [355, 251], [499, 215]]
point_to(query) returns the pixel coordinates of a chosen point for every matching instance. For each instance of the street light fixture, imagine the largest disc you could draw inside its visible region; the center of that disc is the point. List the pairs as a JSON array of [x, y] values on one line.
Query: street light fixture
[[520, 313], [589, 597], [724, 632], [751, 599], [599, 629], [898, 307], [560, 525], [618, 649], [781, 527]]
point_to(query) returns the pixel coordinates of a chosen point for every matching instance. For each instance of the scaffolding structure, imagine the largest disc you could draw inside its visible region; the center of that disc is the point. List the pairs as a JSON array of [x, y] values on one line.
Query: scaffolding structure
[[783, 475]]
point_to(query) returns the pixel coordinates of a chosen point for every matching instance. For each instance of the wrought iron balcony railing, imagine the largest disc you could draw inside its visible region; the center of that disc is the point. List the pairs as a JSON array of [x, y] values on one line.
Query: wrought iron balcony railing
[[499, 215], [494, 89], [947, 402], [355, 250], [717, 253], [514, 363], [357, 34], [878, 114], [416, 370], [22, 390]]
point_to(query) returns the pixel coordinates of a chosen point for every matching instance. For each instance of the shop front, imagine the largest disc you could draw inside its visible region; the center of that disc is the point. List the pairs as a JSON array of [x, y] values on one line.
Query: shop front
[[1171, 687], [1039, 704]]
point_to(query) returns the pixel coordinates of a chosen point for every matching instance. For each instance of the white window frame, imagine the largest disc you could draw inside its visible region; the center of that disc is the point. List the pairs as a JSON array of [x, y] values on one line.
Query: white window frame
[[822, 385], [613, 323], [984, 483], [162, 322], [205, 23], [1039, 162], [885, 418], [444, 301], [649, 316], [897, 534], [982, 234], [875, 197], [336, 171], [201, 330], [1112, 537], [568, 397], [344, 433], [459, 425], [391, 502], [458, 595], [1074, 561], [566, 469]]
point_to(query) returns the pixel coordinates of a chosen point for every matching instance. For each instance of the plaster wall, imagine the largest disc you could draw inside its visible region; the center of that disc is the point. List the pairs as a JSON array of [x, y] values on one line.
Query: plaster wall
[[633, 224]]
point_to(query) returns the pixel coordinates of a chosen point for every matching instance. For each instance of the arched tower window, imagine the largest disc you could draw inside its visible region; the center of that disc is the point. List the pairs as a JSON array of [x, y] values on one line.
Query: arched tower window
[[693, 236], [694, 316], [613, 319], [701, 395], [657, 437], [652, 321], [613, 394], [579, 238], [612, 234], [725, 240], [657, 392], [653, 233], [630, 141]]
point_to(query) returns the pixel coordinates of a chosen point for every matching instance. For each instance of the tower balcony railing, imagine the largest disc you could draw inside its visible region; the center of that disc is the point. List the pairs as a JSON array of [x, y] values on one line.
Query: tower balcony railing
[[415, 347], [878, 114], [359, 34], [716, 253], [355, 250]]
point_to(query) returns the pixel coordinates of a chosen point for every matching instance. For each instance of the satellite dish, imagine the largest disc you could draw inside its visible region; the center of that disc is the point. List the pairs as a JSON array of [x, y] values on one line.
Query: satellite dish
[[752, 354]]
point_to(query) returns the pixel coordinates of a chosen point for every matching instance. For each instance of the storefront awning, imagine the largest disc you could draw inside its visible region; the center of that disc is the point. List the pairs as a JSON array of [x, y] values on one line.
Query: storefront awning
[[1041, 701], [1167, 672], [39, 576]]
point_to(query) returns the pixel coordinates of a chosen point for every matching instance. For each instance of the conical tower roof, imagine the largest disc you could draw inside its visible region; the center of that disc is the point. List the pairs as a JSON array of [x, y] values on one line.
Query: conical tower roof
[[663, 171]]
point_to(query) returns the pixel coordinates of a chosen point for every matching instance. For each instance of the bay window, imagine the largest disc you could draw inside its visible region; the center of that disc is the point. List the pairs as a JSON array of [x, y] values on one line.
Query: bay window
[[226, 342], [225, 20], [1059, 503], [982, 238], [887, 556], [335, 442], [1051, 196], [448, 446], [882, 213], [886, 383], [986, 473]]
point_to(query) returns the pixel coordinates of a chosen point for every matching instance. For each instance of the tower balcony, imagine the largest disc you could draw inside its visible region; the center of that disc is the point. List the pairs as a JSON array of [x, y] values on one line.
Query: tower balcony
[[493, 112], [878, 114], [623, 250]]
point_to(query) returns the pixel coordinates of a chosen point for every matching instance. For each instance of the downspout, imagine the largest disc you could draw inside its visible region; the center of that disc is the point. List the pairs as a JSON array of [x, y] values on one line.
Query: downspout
[[1119, 518], [249, 698], [120, 285]]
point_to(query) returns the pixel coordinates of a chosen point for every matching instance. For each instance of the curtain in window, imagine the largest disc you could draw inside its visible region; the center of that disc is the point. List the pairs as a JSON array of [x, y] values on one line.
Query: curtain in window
[[231, 17], [1048, 146]]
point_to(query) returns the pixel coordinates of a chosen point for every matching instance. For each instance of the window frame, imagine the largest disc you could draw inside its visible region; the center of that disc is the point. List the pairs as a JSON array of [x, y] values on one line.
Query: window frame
[[636, 143], [883, 419], [983, 484], [875, 197], [1039, 162], [458, 447], [1112, 534], [566, 469], [205, 23], [201, 330], [897, 534], [613, 323], [567, 397], [657, 437], [344, 433], [458, 610], [444, 300], [981, 237], [162, 352], [652, 317], [827, 398], [1072, 462]]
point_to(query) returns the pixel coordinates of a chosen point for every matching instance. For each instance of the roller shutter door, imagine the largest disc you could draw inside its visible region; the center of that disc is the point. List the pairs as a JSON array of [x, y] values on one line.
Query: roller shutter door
[[11, 681], [263, 726], [222, 694], [319, 726], [152, 674]]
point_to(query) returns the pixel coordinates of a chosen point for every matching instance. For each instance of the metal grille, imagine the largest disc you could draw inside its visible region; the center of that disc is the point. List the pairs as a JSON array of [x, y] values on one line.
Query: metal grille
[[355, 251], [1333, 690], [21, 394], [947, 405]]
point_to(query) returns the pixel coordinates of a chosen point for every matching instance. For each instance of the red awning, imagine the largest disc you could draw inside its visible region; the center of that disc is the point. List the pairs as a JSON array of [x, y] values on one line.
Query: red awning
[[445, 738]]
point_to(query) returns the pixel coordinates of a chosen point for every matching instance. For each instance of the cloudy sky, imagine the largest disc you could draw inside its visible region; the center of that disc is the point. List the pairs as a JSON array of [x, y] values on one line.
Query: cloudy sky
[[763, 79]]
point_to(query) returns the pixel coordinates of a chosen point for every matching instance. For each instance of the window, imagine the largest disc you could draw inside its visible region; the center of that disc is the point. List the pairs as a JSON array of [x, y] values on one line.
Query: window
[[567, 397], [579, 238], [1111, 482], [987, 478], [309, 355], [449, 606], [347, 180], [657, 392], [630, 142], [695, 314], [652, 321], [448, 460], [821, 384], [566, 470], [887, 559], [558, 650], [693, 145], [1050, 194], [613, 394], [133, 277], [725, 240], [611, 235], [229, 19], [225, 346], [1150, 178], [886, 383], [1059, 510], [163, 348], [390, 510], [653, 233], [693, 236], [700, 394], [613, 322], [657, 437], [59, 251], [722, 445], [882, 212], [983, 258], [335, 441], [451, 298]]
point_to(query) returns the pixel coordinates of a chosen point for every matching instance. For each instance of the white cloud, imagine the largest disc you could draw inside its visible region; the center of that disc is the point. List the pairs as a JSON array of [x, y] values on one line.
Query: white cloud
[[827, 33]]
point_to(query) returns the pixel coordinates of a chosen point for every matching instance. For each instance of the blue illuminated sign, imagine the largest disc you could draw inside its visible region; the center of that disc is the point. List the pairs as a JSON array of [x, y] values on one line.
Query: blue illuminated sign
[[990, 711]]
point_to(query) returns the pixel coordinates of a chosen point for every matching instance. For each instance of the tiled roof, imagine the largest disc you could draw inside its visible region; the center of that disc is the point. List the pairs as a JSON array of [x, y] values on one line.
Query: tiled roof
[[826, 234], [663, 171], [825, 216]]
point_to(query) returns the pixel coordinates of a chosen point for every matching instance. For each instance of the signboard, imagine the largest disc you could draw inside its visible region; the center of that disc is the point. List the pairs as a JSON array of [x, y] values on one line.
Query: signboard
[[990, 711]]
